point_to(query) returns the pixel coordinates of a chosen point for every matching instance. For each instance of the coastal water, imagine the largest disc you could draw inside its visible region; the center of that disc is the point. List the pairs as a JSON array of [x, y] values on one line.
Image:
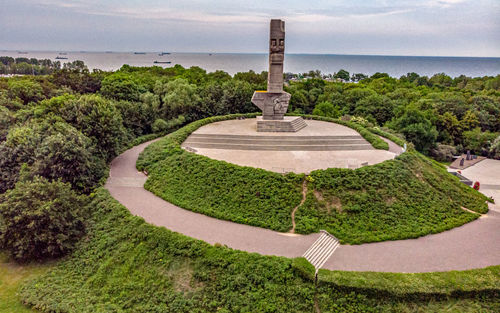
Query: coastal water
[[295, 63]]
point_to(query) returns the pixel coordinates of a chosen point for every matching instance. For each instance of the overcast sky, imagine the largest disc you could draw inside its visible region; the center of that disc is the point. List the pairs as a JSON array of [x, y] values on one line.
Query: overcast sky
[[403, 27]]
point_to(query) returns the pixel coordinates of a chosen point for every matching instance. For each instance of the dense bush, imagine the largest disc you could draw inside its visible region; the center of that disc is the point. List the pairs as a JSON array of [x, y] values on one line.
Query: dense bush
[[443, 153], [127, 265], [397, 199], [40, 219], [53, 149], [417, 285]]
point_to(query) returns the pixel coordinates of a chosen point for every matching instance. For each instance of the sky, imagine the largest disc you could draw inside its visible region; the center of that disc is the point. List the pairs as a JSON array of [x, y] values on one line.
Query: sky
[[380, 27]]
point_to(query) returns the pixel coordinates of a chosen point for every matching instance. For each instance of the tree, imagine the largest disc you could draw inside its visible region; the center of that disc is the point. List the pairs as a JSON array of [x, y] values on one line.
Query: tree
[[6, 120], [469, 121], [327, 109], [449, 123], [123, 86], [342, 74], [495, 148], [478, 141], [377, 106], [53, 149], [98, 119], [26, 90], [441, 80], [40, 219], [178, 97], [358, 76], [68, 155], [417, 129]]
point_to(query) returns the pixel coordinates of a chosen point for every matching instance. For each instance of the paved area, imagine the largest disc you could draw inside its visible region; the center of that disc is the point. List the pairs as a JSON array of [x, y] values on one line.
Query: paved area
[[473, 245], [125, 184], [467, 163], [290, 161], [487, 172]]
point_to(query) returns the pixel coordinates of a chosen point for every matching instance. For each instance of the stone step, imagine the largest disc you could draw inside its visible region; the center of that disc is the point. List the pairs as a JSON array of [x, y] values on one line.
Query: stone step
[[342, 147], [265, 141], [221, 136], [321, 250]]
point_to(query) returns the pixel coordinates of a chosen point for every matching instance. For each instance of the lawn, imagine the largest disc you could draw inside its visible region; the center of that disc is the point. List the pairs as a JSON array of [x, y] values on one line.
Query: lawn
[[12, 275]]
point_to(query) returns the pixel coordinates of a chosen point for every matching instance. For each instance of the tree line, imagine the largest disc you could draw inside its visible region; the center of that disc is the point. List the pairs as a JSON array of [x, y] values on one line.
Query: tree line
[[58, 131]]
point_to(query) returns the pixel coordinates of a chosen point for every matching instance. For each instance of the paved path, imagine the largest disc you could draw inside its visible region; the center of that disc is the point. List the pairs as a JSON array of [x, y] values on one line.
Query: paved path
[[473, 245]]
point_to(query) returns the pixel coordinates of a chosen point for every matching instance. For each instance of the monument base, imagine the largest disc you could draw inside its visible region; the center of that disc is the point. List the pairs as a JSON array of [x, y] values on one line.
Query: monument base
[[289, 124]]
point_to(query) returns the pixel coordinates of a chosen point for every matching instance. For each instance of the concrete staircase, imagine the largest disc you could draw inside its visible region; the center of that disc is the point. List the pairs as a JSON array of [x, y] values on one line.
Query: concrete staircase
[[321, 250], [277, 143], [290, 124]]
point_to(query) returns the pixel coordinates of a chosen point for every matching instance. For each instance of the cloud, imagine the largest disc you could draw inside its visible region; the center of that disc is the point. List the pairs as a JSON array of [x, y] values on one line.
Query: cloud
[[338, 26]]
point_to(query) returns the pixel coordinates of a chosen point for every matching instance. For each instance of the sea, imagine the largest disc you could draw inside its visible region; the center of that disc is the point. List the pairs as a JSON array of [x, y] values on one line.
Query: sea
[[232, 63]]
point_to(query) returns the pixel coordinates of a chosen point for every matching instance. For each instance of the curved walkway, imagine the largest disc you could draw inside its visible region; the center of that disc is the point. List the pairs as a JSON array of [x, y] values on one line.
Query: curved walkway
[[473, 245]]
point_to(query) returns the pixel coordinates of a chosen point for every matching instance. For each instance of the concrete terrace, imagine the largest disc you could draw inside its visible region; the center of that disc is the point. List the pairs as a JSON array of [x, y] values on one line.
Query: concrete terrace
[[320, 145]]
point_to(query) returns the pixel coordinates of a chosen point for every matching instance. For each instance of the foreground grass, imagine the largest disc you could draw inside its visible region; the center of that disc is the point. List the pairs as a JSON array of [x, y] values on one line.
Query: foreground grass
[[12, 275], [127, 265], [408, 197]]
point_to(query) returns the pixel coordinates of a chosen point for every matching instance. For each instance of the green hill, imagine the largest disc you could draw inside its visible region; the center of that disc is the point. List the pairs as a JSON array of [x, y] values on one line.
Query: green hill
[[408, 197]]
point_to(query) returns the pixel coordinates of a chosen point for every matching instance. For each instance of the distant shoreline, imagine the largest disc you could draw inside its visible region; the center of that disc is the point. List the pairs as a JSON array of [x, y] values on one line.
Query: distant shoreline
[[232, 63], [257, 53]]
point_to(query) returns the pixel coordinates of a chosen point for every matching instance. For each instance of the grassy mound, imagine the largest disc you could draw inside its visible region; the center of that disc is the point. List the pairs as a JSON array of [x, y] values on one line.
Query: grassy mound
[[408, 197], [127, 265]]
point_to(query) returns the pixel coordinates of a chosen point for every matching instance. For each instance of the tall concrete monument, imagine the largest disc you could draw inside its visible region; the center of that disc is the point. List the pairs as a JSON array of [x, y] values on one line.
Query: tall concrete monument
[[274, 101]]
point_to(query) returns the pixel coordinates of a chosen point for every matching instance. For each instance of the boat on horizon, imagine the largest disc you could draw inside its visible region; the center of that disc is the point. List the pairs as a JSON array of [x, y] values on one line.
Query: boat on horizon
[[61, 58], [163, 53], [162, 62], [139, 52]]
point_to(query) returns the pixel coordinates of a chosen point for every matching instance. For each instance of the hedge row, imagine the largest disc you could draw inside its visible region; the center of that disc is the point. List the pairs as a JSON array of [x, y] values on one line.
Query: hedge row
[[409, 286], [366, 133]]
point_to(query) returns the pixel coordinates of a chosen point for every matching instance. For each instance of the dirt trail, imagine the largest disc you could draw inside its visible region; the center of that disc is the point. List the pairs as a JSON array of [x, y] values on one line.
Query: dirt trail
[[304, 193]]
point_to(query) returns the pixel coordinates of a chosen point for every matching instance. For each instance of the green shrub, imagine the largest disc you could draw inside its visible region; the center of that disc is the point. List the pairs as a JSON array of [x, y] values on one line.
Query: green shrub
[[373, 139], [127, 265], [40, 219], [159, 125], [452, 283], [407, 197]]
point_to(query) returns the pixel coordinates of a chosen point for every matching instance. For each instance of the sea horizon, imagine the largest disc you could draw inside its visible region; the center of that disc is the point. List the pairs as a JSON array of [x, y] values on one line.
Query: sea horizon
[[247, 53], [234, 62]]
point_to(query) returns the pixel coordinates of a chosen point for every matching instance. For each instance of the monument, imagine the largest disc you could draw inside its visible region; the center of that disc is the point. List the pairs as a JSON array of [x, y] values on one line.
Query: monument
[[274, 101]]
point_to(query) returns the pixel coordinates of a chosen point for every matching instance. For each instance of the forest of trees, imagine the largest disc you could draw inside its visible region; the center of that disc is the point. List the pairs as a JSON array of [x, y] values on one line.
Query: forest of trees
[[58, 131]]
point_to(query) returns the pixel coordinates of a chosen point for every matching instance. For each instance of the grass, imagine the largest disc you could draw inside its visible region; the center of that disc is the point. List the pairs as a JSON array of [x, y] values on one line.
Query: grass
[[127, 265], [12, 276], [408, 197], [453, 283]]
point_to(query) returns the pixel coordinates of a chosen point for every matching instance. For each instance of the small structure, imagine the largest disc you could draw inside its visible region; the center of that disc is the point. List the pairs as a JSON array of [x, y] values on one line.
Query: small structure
[[274, 101]]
